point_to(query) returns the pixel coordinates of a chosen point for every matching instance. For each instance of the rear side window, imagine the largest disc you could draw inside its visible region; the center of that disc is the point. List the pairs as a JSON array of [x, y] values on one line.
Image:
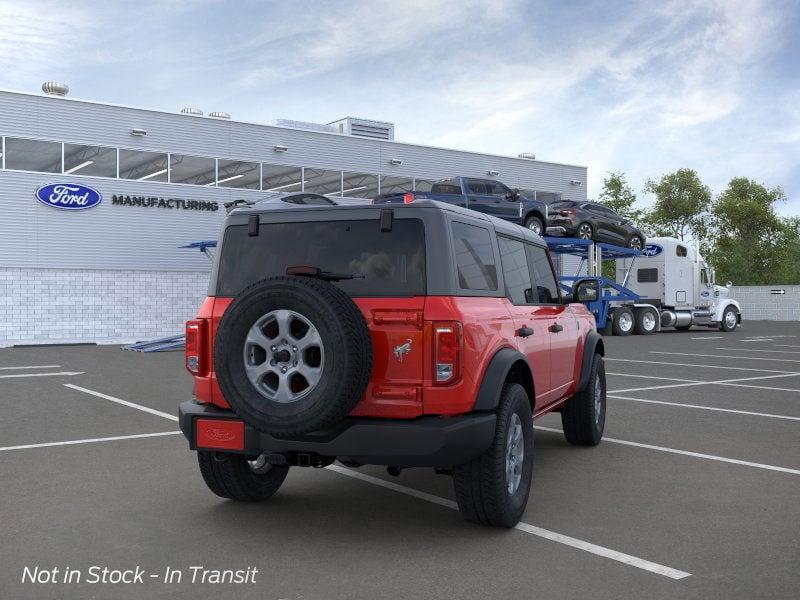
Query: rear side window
[[445, 187], [392, 263], [546, 288], [681, 251], [515, 271], [477, 187], [474, 257], [647, 275]]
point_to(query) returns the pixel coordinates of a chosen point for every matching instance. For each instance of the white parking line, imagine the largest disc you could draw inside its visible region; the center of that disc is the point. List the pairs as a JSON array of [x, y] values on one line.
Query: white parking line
[[714, 408], [760, 350], [633, 561], [89, 441], [146, 409], [62, 373], [757, 340], [733, 461], [31, 367], [709, 337], [656, 362], [787, 346], [650, 377], [692, 382], [725, 356]]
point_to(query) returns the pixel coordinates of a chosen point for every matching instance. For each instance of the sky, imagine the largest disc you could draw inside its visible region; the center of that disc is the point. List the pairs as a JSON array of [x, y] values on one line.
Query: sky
[[639, 87]]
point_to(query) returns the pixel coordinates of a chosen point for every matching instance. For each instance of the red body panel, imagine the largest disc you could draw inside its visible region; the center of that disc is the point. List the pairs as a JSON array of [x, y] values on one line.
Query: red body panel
[[401, 386]]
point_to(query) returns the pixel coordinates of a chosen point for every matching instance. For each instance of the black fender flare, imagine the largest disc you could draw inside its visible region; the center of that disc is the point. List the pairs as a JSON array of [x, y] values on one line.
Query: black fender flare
[[593, 345], [495, 376]]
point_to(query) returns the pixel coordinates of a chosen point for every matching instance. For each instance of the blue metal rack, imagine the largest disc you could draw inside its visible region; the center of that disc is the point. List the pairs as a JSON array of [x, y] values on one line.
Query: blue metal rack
[[610, 290]]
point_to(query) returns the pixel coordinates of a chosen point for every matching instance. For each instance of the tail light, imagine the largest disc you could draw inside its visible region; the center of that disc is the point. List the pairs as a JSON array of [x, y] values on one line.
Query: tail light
[[408, 198], [567, 212], [447, 350], [195, 346]]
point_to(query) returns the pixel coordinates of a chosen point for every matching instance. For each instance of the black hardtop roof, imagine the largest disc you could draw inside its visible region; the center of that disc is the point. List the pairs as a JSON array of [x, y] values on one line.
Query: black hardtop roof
[[501, 226]]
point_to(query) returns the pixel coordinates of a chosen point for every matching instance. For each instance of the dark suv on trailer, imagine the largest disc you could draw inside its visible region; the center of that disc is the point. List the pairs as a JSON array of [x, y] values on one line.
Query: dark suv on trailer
[[590, 220], [420, 335]]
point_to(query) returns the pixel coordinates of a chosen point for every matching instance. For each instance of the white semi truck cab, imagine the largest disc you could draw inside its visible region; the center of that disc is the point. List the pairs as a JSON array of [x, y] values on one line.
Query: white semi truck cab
[[675, 285]]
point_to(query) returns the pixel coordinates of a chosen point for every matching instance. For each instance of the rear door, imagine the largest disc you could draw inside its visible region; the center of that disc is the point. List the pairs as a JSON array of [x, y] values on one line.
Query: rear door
[[560, 321], [530, 322], [480, 198]]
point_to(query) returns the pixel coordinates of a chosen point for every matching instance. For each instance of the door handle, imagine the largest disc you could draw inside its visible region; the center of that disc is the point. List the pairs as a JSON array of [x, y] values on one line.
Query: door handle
[[555, 328], [524, 331]]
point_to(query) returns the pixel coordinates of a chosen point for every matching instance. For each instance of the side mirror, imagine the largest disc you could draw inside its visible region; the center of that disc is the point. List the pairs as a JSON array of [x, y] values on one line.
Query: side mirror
[[512, 195], [585, 290]]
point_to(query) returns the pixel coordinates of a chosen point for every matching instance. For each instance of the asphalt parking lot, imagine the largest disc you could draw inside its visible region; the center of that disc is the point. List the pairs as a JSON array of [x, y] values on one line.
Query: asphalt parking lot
[[693, 493]]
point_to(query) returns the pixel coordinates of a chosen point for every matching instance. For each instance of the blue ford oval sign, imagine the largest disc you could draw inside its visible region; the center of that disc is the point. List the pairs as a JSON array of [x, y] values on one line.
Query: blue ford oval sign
[[68, 196], [652, 250]]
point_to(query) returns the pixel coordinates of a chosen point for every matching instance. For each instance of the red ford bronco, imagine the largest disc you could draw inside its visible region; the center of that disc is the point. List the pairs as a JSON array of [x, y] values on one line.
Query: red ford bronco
[[423, 335]]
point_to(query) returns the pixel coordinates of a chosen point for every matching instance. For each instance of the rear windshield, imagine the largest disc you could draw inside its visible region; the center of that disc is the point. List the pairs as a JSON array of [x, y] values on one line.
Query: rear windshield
[[563, 204], [392, 263]]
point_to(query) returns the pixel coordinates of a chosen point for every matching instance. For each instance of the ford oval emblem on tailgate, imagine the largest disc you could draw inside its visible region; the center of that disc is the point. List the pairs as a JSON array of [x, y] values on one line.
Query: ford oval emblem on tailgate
[[220, 435], [68, 196]]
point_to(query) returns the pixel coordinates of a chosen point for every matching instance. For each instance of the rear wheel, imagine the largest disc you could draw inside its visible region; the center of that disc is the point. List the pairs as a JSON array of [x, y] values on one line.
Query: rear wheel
[[645, 321], [585, 231], [622, 322], [535, 225], [493, 489], [583, 416], [235, 477]]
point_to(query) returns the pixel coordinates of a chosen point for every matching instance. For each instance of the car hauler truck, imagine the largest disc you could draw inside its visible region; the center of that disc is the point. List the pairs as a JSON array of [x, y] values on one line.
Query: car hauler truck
[[672, 277], [667, 284]]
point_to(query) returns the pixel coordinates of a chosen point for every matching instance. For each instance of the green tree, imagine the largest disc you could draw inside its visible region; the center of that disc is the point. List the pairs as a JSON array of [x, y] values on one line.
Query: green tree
[[681, 206], [751, 244], [618, 196]]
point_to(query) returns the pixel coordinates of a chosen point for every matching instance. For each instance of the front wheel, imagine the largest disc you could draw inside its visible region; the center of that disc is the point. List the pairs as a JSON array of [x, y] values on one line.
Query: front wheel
[[493, 489], [585, 231], [235, 477], [583, 416], [635, 242], [729, 320], [535, 225]]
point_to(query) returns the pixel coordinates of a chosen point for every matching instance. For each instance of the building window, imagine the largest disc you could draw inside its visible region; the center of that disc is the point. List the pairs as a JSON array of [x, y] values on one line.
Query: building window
[[396, 185], [322, 181], [195, 170], [359, 185], [280, 178], [424, 185], [144, 166], [474, 257], [33, 155], [98, 161], [237, 174]]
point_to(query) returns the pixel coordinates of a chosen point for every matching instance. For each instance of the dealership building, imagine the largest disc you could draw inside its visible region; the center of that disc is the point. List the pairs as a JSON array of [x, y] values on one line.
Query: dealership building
[[106, 265]]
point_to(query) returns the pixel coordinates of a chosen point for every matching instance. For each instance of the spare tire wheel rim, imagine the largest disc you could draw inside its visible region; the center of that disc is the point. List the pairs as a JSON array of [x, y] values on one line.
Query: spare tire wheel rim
[[283, 356]]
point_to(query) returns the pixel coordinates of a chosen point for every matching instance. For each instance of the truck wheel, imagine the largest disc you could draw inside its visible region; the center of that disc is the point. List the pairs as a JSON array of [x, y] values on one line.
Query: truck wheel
[[622, 322], [645, 321], [493, 489], [729, 320], [535, 225], [234, 476], [583, 416], [292, 355]]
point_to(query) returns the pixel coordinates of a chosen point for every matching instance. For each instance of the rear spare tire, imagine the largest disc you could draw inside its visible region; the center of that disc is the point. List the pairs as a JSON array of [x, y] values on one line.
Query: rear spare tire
[[292, 355]]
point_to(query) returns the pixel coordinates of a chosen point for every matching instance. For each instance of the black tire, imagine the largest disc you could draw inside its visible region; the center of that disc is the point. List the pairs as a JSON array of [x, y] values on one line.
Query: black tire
[[724, 324], [642, 325], [683, 327], [343, 355], [535, 224], [586, 227], [481, 486], [632, 242], [583, 416], [230, 476], [623, 321]]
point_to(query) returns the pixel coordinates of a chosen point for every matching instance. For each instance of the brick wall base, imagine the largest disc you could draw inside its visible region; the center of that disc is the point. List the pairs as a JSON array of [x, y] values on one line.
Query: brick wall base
[[51, 306]]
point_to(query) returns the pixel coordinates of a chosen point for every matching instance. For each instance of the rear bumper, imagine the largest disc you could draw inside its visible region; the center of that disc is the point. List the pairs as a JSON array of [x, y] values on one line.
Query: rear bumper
[[423, 442]]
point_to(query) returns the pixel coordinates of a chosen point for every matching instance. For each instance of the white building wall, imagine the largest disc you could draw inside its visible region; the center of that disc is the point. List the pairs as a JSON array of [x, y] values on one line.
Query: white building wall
[[41, 306]]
